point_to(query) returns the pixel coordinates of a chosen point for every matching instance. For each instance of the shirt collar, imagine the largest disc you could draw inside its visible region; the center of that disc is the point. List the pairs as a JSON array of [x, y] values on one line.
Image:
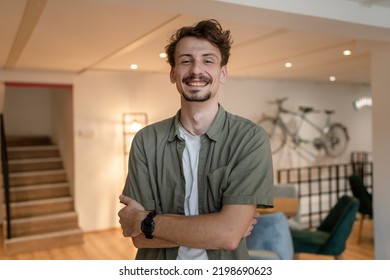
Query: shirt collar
[[213, 132]]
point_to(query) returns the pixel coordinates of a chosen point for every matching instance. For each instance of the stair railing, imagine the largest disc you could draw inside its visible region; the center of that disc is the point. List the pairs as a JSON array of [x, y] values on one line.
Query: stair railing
[[4, 164]]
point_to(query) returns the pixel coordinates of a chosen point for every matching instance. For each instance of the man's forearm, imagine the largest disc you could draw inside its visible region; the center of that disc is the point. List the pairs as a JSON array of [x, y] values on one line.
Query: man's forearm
[[140, 242], [222, 230]]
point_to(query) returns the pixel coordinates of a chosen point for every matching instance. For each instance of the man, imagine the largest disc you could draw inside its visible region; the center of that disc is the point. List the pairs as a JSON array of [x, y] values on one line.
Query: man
[[196, 179]]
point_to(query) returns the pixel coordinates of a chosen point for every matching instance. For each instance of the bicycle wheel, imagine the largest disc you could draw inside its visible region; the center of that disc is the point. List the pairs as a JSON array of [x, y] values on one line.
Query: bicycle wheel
[[336, 139], [276, 133]]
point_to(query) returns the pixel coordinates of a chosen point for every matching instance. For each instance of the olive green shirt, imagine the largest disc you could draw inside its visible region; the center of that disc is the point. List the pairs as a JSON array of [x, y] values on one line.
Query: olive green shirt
[[235, 167]]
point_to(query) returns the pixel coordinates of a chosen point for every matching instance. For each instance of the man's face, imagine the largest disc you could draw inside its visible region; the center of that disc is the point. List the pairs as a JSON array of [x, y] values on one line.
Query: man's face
[[197, 72]]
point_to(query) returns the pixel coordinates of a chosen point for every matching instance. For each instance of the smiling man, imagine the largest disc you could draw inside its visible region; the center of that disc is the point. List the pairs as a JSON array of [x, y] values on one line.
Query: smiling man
[[195, 180]]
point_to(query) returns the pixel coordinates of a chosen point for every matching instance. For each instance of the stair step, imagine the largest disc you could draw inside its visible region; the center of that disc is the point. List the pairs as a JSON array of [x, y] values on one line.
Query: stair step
[[43, 224], [34, 192], [35, 164], [41, 207], [13, 141], [43, 241], [32, 152], [37, 177]]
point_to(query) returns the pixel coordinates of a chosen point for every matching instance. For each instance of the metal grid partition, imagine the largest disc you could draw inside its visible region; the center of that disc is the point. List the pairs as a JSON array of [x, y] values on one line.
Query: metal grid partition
[[319, 187]]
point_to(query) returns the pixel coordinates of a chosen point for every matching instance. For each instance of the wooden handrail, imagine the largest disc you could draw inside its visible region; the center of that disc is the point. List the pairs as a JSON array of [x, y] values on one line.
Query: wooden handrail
[[4, 164]]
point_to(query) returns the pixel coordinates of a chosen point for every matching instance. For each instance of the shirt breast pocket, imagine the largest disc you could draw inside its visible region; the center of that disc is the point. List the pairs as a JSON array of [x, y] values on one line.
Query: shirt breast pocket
[[216, 187]]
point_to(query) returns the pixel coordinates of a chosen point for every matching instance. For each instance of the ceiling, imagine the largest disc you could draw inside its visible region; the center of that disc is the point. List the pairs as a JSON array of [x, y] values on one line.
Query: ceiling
[[75, 36]]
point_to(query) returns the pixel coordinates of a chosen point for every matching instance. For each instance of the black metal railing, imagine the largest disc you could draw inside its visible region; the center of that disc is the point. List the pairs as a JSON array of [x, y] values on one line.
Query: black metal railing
[[362, 166], [319, 187], [5, 170]]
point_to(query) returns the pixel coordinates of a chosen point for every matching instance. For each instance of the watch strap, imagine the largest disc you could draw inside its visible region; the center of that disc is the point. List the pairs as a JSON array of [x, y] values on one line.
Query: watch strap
[[147, 225]]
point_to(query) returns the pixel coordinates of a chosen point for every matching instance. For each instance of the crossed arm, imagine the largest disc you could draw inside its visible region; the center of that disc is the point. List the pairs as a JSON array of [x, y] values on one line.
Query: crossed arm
[[222, 230]]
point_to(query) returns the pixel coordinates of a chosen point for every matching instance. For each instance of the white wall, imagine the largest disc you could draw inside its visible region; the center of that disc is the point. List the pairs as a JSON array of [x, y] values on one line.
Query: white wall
[[381, 140], [62, 128], [27, 112]]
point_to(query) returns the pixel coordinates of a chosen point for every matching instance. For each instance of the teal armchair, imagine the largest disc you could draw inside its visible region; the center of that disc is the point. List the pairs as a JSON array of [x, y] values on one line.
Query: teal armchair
[[331, 236], [359, 191]]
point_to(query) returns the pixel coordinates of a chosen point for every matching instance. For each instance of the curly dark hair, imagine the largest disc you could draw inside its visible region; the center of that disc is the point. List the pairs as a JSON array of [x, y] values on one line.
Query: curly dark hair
[[211, 30]]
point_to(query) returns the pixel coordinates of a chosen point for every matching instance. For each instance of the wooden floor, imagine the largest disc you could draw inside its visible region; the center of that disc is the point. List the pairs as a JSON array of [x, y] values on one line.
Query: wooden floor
[[111, 245], [102, 245]]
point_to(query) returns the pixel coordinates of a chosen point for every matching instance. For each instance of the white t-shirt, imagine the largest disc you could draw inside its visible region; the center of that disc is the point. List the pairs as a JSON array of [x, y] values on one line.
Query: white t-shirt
[[190, 168]]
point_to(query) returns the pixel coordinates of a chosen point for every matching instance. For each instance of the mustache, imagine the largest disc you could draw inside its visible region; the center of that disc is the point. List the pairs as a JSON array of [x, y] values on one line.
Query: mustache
[[200, 78]]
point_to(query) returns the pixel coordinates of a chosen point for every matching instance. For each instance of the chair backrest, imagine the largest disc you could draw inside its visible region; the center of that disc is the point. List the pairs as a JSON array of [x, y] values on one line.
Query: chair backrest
[[360, 192], [338, 223], [271, 233], [285, 190], [286, 200]]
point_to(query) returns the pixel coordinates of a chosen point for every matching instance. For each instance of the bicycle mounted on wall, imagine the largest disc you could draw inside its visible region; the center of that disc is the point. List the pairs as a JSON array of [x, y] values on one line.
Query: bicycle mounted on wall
[[332, 137]]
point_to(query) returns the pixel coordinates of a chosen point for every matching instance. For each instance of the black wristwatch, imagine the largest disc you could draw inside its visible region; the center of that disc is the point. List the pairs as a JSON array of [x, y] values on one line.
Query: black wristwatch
[[147, 225]]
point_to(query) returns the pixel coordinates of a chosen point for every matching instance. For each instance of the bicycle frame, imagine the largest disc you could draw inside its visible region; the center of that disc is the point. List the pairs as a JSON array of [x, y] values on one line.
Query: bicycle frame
[[303, 119], [333, 137]]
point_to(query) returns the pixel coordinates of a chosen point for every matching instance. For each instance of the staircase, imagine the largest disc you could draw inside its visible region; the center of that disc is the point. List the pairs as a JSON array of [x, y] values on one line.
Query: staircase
[[42, 208]]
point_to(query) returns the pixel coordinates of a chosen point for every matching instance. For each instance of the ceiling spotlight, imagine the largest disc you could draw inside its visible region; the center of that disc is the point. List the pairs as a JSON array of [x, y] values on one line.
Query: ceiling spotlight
[[347, 52], [332, 78], [288, 65], [163, 55], [134, 66]]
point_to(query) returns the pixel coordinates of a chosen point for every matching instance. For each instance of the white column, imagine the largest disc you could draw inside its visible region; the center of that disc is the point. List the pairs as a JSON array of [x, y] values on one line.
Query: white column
[[380, 91]]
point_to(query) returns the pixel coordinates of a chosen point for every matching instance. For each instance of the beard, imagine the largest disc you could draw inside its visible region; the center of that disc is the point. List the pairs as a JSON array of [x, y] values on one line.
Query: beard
[[192, 95]]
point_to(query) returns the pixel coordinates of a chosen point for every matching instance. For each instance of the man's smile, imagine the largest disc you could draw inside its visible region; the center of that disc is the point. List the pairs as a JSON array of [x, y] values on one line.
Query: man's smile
[[196, 83], [192, 81]]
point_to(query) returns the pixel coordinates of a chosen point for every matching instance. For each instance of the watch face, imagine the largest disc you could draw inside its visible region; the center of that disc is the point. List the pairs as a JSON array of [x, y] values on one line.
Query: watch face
[[147, 225]]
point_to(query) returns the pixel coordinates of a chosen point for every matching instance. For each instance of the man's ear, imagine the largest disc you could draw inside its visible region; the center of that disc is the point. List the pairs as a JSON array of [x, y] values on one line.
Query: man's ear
[[224, 74], [172, 75]]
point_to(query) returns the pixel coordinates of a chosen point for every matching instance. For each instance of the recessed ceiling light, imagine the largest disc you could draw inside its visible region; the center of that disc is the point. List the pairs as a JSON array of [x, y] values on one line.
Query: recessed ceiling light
[[347, 52], [332, 78], [134, 66], [288, 65], [163, 55]]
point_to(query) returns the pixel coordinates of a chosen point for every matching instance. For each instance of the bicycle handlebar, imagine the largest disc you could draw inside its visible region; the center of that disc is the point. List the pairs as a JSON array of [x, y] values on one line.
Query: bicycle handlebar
[[279, 102]]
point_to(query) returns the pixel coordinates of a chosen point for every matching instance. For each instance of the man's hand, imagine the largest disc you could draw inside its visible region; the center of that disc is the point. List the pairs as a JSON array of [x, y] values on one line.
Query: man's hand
[[253, 223], [131, 216]]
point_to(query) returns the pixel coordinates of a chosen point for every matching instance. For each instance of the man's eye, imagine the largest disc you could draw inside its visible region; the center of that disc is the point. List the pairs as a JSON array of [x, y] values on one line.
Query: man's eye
[[185, 61]]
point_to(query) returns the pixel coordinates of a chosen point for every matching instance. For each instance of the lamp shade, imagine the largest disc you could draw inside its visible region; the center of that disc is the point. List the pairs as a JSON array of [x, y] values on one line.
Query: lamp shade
[[362, 102]]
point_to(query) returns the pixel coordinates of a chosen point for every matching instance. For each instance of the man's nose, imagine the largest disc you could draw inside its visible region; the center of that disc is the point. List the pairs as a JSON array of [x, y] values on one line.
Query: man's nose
[[196, 68]]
